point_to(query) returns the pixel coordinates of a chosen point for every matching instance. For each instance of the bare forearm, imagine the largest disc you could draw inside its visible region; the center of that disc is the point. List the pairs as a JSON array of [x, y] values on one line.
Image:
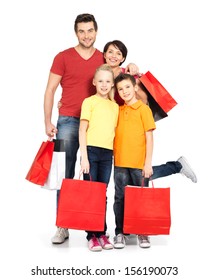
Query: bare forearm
[[52, 85], [48, 105], [83, 146], [148, 171]]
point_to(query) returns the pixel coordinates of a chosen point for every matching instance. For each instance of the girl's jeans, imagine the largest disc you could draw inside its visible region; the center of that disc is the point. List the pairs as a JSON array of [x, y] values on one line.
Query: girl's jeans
[[100, 161]]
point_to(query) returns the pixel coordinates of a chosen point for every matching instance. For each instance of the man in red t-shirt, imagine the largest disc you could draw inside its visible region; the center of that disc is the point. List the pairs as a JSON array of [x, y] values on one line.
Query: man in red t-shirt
[[73, 69]]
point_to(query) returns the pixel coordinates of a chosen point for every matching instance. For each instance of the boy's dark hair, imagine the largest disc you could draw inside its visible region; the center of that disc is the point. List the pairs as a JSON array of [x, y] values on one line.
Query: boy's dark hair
[[119, 45], [85, 18], [124, 76]]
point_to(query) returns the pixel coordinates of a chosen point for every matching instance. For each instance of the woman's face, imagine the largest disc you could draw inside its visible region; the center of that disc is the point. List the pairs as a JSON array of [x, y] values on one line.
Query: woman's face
[[113, 56]]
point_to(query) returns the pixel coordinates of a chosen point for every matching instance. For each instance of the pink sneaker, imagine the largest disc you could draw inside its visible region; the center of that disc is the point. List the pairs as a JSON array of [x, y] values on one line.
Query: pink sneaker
[[105, 243], [94, 244]]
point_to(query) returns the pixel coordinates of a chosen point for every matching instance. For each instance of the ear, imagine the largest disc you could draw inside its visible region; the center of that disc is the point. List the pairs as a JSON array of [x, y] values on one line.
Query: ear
[[93, 82], [136, 88]]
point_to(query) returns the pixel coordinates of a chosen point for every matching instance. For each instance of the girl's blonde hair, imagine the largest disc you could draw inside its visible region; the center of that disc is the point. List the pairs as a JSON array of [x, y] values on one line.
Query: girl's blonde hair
[[106, 67]]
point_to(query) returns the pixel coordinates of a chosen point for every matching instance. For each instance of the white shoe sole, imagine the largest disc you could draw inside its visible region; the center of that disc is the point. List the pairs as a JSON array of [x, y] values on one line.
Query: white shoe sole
[[119, 246], [60, 242], [144, 246]]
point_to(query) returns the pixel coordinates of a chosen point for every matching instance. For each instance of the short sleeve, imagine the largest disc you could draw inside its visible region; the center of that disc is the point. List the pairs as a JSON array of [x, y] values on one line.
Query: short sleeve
[[58, 65], [86, 109]]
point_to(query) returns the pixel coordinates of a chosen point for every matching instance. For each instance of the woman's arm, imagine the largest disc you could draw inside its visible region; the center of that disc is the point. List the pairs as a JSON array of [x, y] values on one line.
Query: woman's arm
[[132, 69]]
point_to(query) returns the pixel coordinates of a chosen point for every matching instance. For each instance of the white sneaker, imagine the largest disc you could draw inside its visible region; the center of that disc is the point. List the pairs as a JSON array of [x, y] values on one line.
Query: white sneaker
[[144, 241], [187, 170], [60, 236], [119, 241]]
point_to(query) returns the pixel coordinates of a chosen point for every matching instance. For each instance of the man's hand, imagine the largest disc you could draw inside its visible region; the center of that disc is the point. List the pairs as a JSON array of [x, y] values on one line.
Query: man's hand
[[51, 130]]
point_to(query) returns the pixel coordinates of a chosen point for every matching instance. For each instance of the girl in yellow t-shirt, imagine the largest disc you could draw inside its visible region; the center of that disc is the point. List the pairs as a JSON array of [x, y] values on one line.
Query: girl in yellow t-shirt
[[99, 115]]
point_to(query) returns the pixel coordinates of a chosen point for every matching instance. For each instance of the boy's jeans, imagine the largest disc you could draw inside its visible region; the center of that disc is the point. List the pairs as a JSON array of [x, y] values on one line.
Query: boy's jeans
[[122, 177], [132, 176]]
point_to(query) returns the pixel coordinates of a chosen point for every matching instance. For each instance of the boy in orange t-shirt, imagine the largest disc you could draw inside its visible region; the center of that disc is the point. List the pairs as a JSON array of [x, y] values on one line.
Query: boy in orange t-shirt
[[133, 148]]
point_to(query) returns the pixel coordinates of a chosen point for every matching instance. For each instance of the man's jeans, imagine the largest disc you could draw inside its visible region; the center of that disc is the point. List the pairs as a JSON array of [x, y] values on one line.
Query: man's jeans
[[100, 161], [68, 130]]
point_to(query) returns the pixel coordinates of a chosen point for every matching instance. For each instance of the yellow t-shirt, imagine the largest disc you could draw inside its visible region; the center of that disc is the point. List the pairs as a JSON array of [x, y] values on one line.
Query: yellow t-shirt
[[102, 115], [130, 138]]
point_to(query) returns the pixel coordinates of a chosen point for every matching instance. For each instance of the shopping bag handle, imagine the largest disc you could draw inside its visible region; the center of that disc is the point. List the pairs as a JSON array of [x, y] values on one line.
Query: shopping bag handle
[[142, 185], [81, 172]]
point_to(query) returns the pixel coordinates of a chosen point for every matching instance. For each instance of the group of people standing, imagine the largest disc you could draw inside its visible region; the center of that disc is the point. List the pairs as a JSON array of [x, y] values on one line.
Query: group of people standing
[[105, 112]]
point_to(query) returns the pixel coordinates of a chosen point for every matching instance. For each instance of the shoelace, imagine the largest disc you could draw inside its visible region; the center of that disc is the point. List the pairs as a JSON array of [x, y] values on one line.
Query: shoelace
[[143, 238], [104, 238], [120, 238], [61, 232], [95, 241]]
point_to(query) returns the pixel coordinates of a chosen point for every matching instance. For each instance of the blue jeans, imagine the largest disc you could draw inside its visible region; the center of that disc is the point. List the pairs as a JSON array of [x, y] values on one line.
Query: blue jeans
[[167, 169], [131, 176], [68, 130], [122, 177], [100, 161]]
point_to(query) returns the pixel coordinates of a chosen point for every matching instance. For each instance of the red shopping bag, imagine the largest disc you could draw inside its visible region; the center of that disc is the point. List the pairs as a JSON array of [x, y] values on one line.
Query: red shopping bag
[[147, 210], [40, 167], [58, 166], [82, 205], [158, 92]]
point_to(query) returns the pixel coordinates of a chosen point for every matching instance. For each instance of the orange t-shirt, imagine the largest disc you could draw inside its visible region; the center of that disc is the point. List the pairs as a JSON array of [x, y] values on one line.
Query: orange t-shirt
[[130, 138]]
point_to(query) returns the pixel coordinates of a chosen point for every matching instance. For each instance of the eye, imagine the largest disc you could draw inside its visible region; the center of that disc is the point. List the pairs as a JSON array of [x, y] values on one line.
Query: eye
[[119, 54]]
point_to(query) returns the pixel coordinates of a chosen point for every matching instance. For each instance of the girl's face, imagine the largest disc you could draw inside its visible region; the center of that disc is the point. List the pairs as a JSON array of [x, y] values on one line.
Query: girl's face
[[113, 56], [103, 81]]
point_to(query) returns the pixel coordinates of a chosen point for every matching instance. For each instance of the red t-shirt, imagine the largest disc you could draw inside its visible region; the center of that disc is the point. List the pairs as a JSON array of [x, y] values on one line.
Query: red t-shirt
[[77, 76]]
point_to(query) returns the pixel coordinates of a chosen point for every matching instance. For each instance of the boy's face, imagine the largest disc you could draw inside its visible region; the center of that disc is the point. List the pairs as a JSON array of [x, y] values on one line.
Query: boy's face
[[127, 91]]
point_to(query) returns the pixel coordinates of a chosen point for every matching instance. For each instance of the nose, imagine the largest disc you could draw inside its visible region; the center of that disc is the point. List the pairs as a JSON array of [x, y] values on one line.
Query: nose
[[86, 34]]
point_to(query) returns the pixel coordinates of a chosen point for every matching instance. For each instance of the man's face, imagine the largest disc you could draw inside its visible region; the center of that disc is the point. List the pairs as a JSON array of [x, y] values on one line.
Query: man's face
[[86, 34]]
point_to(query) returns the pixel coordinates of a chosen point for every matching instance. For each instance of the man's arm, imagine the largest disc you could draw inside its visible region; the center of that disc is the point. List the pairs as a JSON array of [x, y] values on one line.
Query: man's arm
[[53, 82]]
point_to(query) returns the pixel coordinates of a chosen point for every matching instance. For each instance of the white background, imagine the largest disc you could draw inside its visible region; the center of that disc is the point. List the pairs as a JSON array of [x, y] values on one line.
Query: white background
[[168, 38]]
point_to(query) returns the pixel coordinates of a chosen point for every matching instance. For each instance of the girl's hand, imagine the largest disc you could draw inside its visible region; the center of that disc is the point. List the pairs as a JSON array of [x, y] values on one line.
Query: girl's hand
[[85, 166]]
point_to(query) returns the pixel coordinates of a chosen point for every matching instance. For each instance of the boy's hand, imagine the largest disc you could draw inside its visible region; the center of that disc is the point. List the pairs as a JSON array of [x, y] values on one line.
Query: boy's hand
[[147, 171]]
